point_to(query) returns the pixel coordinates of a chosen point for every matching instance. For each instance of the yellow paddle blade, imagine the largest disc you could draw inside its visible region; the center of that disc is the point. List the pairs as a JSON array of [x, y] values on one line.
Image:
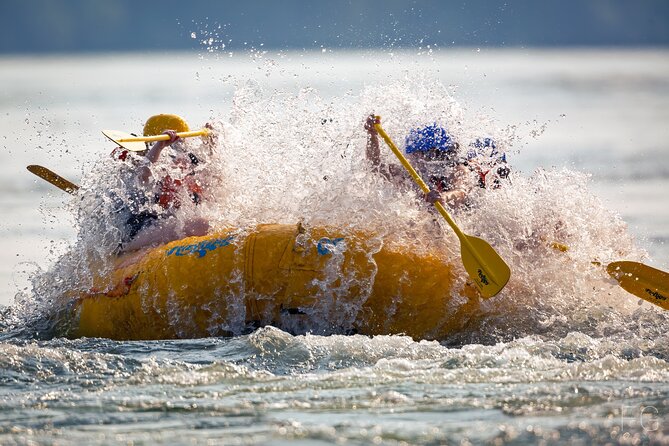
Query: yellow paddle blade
[[119, 137], [53, 178], [485, 267], [643, 281]]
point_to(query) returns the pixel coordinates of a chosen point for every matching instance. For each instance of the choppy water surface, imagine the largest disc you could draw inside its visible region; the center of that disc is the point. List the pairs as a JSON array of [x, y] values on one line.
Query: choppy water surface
[[274, 388], [562, 356]]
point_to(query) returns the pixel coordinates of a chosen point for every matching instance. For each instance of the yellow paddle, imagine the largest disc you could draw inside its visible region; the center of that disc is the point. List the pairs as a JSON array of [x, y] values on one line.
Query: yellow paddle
[[136, 143], [636, 278], [53, 178], [485, 267], [642, 280]]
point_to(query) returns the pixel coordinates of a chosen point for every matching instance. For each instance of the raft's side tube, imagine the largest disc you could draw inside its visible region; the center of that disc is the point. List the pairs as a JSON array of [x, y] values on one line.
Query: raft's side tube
[[321, 280]]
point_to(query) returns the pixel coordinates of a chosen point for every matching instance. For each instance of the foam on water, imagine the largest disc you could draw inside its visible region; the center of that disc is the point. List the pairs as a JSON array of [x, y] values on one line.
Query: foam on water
[[272, 385]]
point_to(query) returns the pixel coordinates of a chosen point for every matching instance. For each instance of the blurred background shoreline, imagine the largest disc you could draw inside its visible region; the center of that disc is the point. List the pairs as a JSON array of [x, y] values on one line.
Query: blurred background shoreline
[[65, 26]]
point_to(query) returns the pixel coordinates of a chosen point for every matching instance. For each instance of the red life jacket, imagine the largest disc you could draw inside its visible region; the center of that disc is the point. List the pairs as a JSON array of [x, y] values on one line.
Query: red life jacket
[[120, 153], [168, 196]]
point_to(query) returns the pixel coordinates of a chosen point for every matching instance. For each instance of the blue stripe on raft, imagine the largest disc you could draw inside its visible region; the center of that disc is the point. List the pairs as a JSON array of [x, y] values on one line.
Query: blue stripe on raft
[[200, 249]]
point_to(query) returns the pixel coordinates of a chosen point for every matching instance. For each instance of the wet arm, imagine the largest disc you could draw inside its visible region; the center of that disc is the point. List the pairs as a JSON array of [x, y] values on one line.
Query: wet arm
[[391, 172], [153, 155], [373, 150], [458, 194]]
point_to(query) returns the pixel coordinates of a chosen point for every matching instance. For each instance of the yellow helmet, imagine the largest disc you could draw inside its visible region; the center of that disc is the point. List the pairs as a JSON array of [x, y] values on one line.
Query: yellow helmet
[[157, 124]]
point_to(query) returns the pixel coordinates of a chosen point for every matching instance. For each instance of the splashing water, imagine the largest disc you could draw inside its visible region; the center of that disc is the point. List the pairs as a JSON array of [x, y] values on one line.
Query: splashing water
[[562, 355], [287, 158]]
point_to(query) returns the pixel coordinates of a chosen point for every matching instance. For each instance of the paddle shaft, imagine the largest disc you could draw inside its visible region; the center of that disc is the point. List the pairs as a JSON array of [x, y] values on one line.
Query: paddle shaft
[[163, 137], [461, 235]]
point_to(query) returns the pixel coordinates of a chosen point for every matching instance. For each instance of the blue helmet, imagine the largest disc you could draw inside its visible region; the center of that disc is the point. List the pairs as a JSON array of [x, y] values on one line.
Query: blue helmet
[[429, 137], [485, 147]]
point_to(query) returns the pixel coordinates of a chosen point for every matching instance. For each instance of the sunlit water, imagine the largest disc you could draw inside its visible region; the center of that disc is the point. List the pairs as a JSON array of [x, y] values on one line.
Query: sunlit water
[[562, 355]]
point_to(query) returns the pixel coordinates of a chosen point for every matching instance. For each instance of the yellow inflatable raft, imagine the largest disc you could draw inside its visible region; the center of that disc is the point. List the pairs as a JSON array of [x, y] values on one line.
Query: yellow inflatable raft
[[317, 280]]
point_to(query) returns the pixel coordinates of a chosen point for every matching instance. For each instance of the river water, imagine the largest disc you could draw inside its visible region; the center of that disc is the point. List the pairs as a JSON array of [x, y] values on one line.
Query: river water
[[564, 356]]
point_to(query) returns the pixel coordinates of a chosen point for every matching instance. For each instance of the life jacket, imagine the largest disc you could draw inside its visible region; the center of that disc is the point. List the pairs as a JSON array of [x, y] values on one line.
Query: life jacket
[[495, 162], [489, 173], [440, 183], [169, 188], [499, 173], [120, 153]]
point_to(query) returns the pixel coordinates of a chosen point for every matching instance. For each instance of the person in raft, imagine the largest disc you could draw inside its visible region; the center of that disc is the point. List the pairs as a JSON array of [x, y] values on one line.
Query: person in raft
[[436, 157], [150, 205]]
